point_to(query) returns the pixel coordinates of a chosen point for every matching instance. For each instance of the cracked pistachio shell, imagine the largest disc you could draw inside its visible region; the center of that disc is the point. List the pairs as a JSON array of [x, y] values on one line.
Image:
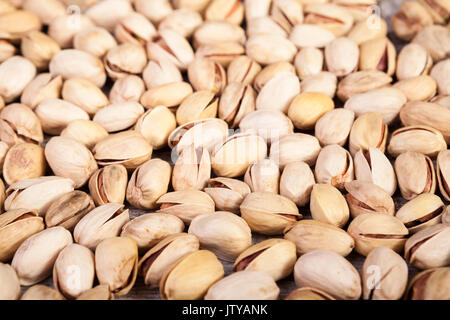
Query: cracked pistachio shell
[[37, 193], [309, 294], [296, 183], [15, 227], [192, 169], [368, 131], [193, 5], [373, 166], [271, 71], [421, 212], [116, 262], [170, 95], [342, 56], [206, 74], [34, 259], [328, 205], [108, 13], [334, 127], [366, 197], [308, 62], [361, 82], [128, 148], [207, 133], [183, 21], [310, 35], [287, 13], [384, 275], [245, 285], [40, 293], [310, 235], [227, 193], [134, 28], [73, 272], [373, 230], [438, 9], [228, 10], [295, 147], [125, 59], [94, 40], [101, 223], [329, 16], [198, 105], [264, 26], [279, 92], [86, 132], [334, 166], [149, 229], [10, 283], [329, 272], [415, 174], [126, 89], [235, 155], [191, 276], [224, 233], [218, 32], [243, 70], [69, 158], [268, 213], [119, 116], [378, 54], [172, 46], [23, 161], [186, 204], [323, 82], [371, 28], [417, 138], [429, 248], [156, 125], [413, 61], [15, 74], [260, 49], [421, 88], [435, 39], [164, 254], [72, 63], [100, 292], [18, 23], [19, 124], [109, 185], [222, 52], [39, 48], [263, 176], [149, 182], [56, 114], [431, 284], [274, 256], [410, 19], [158, 73], [307, 108], [43, 87], [85, 94], [443, 173], [440, 73], [67, 210], [155, 11], [237, 101]]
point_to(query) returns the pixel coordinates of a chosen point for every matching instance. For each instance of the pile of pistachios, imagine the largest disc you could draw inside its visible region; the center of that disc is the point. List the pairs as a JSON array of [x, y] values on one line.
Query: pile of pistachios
[[221, 120]]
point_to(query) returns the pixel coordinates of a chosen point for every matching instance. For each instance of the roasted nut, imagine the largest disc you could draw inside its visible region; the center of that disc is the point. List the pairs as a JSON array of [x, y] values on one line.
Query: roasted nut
[[86, 132], [41, 293], [430, 284], [295, 147], [154, 10], [309, 35], [192, 169], [10, 283], [334, 127], [411, 18], [361, 82], [421, 88], [100, 292], [227, 193], [119, 116], [270, 72], [260, 49], [435, 39], [308, 293], [197, 106], [236, 102], [371, 28], [109, 184], [156, 125], [94, 40], [341, 56], [413, 61], [328, 205], [222, 53], [438, 9], [307, 108], [329, 16], [39, 48], [243, 70], [439, 72], [323, 82], [368, 131], [158, 73], [64, 28], [125, 59], [334, 166], [23, 161], [15, 74], [18, 23], [41, 88], [309, 61], [206, 74], [263, 176], [378, 54], [84, 94], [297, 181], [185, 22], [170, 95], [128, 88], [366, 197], [134, 28]]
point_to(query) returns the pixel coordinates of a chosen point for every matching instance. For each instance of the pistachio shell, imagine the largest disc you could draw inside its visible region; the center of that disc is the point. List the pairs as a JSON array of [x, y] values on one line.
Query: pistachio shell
[[295, 147], [297, 181], [334, 127], [263, 176], [443, 173], [86, 132], [109, 184], [192, 169], [308, 293], [24, 161], [227, 193], [328, 205], [10, 283], [41, 292], [431, 284]]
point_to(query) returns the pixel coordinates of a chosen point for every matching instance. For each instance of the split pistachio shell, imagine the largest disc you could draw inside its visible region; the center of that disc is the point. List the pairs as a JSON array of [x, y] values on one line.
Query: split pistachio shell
[[98, 293], [86, 132], [307, 108], [186, 204], [443, 173], [227, 193], [119, 116], [260, 49], [85, 94], [43, 87], [264, 26], [274, 256], [334, 166], [438, 9], [10, 283], [149, 182], [309, 35], [310, 235], [431, 284], [373, 230], [295, 147], [368, 131], [23, 161], [413, 61], [341, 56], [359, 9], [231, 11], [192, 169], [162, 72], [34, 259], [127, 89], [334, 127], [271, 71], [434, 38], [16, 73], [421, 88], [164, 254], [361, 82], [206, 74], [67, 210], [296, 183], [125, 59], [224, 233], [101, 223], [15, 227], [191, 276], [411, 18], [116, 262], [328, 205], [134, 28], [94, 40], [378, 54], [330, 272], [236, 102], [329, 16], [18, 23], [41, 293], [73, 272], [309, 294], [263, 176], [268, 213], [109, 184], [39, 48], [384, 275], [429, 248], [156, 125], [199, 105], [243, 70], [222, 53], [366, 197], [244, 285]]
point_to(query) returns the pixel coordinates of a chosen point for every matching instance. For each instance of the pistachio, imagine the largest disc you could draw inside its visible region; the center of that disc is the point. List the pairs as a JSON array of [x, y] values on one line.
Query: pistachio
[[361, 82], [15, 74], [191, 276], [24, 161], [256, 8], [378, 54], [373, 230], [264, 26], [41, 88], [153, 10], [125, 59], [199, 105], [271, 71], [67, 210], [341, 56], [359, 9], [186, 204], [7, 50], [366, 197], [183, 21], [411, 18], [134, 28], [15, 227], [3, 151], [244, 70], [308, 62], [236, 102], [439, 72], [84, 94], [410, 88], [368, 131], [218, 32], [328, 205], [206, 74], [268, 213], [231, 11], [446, 216], [296, 182], [41, 293], [116, 262], [101, 223], [193, 5], [442, 100], [39, 48], [148, 182], [192, 169], [109, 184], [329, 16], [10, 283], [158, 73], [73, 272], [100, 292], [34, 259], [227, 193], [295, 147], [287, 13], [18, 23], [164, 254], [127, 89], [156, 125], [438, 9], [263, 176], [329, 272], [94, 40], [260, 49], [334, 127], [119, 116], [371, 28], [149, 229], [222, 53], [278, 93], [434, 39], [431, 284], [86, 132], [308, 293], [170, 95], [306, 109], [323, 82], [384, 275], [443, 173], [413, 61], [334, 166], [310, 35], [109, 13]]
